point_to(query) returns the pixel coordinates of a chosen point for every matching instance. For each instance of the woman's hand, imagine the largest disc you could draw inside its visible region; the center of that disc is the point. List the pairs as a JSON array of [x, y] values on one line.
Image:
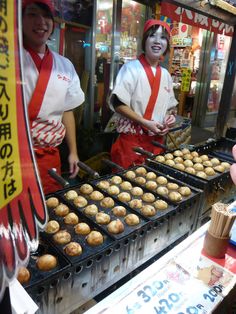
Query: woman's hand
[[169, 120], [233, 166], [73, 165], [155, 127]]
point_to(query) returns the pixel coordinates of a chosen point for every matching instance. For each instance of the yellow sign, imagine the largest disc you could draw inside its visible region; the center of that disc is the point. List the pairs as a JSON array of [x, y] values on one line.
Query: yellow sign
[[10, 171], [186, 80]]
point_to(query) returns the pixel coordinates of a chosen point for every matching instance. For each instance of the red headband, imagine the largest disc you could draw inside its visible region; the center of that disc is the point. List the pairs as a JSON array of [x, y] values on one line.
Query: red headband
[[49, 3], [150, 23]]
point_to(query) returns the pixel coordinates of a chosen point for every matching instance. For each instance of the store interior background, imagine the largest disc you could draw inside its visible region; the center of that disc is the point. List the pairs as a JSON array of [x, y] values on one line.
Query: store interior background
[[99, 36]]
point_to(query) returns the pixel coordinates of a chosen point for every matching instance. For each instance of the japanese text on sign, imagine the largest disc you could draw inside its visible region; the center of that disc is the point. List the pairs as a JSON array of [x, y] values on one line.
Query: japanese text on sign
[[10, 172]]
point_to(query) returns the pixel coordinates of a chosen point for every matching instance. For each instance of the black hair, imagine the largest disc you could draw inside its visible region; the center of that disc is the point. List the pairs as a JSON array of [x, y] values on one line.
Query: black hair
[[151, 31]]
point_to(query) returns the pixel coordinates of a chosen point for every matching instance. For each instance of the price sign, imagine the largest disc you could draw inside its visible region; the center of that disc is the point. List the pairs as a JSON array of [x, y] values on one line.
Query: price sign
[[172, 291]]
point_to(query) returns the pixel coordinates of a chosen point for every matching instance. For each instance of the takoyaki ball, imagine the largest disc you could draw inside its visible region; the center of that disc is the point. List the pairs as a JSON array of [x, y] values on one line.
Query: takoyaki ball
[[115, 226], [107, 202], [148, 210], [113, 190], [219, 168], [124, 197], [52, 227], [169, 162], [126, 186], [71, 219], [80, 201], [73, 249], [185, 191], [94, 238], [207, 163], [185, 151], [160, 205], [172, 186], [86, 189], [132, 220], [198, 167], [119, 211], [116, 180], [209, 171], [130, 174], [103, 184], [46, 262], [91, 210], [140, 171], [151, 185], [102, 218], [204, 158], [190, 170], [194, 154], [151, 175], [175, 196], [201, 174], [70, 195], [215, 162], [226, 165], [23, 275], [61, 210], [169, 156], [140, 180], [162, 180], [178, 160], [136, 191], [179, 166], [136, 203], [162, 190], [52, 202], [188, 163], [197, 159], [178, 153], [62, 237], [82, 228], [160, 158], [188, 156], [148, 197], [96, 196]]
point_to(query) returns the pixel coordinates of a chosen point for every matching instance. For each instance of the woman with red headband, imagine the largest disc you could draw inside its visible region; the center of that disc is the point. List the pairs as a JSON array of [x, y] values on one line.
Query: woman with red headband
[[143, 98], [51, 90]]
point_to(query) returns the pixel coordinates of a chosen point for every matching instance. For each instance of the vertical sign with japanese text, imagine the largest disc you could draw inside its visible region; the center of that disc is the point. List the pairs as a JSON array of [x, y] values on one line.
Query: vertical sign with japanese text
[[22, 208]]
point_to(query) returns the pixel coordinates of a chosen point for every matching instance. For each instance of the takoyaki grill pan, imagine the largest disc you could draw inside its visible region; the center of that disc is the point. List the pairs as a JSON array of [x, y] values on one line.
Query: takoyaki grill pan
[[39, 279], [221, 148], [128, 230], [214, 187], [89, 253], [173, 207]]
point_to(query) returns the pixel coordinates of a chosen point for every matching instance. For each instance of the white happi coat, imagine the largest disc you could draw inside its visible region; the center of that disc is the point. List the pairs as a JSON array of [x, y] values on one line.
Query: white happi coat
[[133, 89], [63, 93]]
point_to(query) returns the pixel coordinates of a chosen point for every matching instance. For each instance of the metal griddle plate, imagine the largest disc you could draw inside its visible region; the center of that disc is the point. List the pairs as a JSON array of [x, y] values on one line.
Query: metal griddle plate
[[221, 148], [205, 184], [186, 200], [89, 252], [128, 230], [159, 214], [41, 278]]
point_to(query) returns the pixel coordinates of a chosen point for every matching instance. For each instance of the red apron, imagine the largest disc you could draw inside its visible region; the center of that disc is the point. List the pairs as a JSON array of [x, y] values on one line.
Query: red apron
[[47, 157], [122, 150]]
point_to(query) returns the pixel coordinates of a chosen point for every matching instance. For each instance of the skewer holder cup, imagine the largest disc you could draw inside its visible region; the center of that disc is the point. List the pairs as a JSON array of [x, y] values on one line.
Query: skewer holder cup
[[215, 246]]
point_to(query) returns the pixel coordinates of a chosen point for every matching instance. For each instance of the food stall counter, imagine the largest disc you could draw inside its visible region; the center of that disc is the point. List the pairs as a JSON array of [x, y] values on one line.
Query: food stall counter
[[185, 280]]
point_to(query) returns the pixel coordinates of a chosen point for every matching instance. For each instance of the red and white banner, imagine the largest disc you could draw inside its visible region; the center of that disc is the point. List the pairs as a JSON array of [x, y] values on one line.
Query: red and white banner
[[22, 207], [179, 14]]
